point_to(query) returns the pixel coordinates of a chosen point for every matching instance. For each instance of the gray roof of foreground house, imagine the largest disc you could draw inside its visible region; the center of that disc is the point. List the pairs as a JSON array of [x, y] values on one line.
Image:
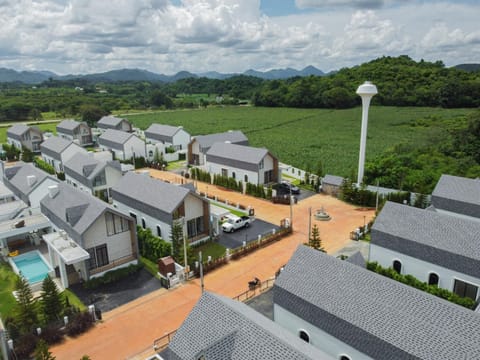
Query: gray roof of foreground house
[[108, 122], [162, 132], [437, 238], [457, 194], [332, 180], [357, 259], [54, 146], [74, 210], [376, 315], [84, 168], [238, 156], [220, 328], [16, 131], [114, 138], [206, 141], [151, 196], [16, 179]]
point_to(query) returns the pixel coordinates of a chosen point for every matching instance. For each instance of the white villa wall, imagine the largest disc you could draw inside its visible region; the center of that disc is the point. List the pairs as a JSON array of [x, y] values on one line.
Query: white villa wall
[[64, 136], [318, 338], [196, 151], [193, 207], [40, 192], [419, 268], [214, 168], [71, 181], [133, 145], [14, 142], [267, 165], [118, 245], [181, 138], [125, 126], [54, 162]]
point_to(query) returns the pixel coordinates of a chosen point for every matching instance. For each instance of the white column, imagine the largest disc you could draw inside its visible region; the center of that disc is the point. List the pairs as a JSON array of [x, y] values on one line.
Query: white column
[[363, 138], [63, 273]]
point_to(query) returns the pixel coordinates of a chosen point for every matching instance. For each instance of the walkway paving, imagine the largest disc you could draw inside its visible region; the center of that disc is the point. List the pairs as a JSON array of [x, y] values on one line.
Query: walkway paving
[[128, 332]]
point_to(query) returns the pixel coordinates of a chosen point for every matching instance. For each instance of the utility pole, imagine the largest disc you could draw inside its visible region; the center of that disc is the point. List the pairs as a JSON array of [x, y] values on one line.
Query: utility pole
[[201, 270], [185, 256], [309, 223], [291, 207]]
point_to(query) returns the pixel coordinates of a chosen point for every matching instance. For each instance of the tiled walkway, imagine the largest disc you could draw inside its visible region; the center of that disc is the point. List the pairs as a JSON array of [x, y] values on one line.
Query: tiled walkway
[[131, 329]]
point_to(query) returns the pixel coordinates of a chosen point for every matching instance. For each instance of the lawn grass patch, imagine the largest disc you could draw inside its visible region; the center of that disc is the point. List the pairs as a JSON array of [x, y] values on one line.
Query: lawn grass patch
[[7, 286], [175, 165], [74, 300], [213, 249], [302, 137], [239, 213], [150, 266]]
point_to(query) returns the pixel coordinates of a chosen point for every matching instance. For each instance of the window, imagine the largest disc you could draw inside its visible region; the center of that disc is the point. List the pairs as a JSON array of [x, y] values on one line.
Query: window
[[233, 175], [344, 357], [134, 216], [159, 231], [397, 266], [98, 256], [115, 224], [304, 336], [246, 178], [225, 172], [143, 223], [195, 227], [464, 289], [100, 179], [433, 279], [261, 164]]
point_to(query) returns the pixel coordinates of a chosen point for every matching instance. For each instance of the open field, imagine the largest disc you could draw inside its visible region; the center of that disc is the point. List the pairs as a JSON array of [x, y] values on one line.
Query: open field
[[302, 137]]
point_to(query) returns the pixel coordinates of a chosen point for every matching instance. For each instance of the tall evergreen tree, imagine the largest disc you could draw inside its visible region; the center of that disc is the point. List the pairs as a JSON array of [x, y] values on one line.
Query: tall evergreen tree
[[176, 236], [51, 302], [315, 241], [42, 352], [25, 310]]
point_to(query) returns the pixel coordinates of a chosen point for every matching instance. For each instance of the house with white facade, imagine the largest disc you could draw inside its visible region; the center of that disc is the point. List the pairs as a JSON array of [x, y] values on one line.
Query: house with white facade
[[435, 247], [28, 183], [200, 144], [157, 205], [56, 151], [115, 123], [20, 135], [457, 196], [353, 313], [248, 164], [221, 328], [170, 136], [91, 175], [123, 145], [92, 237], [76, 131]]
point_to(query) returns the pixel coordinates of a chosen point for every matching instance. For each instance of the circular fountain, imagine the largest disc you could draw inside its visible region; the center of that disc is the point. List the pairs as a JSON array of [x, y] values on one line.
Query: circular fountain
[[322, 215]]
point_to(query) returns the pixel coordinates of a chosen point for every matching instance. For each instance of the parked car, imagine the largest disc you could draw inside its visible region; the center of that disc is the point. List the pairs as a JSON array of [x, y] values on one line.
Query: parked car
[[286, 187], [234, 222]]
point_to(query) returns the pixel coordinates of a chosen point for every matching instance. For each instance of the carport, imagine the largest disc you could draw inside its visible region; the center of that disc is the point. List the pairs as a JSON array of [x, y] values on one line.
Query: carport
[[216, 213]]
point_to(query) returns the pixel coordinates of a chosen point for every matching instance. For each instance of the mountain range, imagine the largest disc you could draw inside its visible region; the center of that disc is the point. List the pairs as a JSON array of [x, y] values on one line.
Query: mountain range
[[36, 77]]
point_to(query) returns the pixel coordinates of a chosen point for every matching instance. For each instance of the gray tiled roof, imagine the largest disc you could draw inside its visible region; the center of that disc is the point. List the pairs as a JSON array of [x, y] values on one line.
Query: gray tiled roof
[[374, 314], [435, 237], [17, 129], [238, 156], [148, 194], [84, 167], [457, 194], [68, 126], [357, 259], [114, 138], [83, 210], [235, 137], [332, 180], [162, 132], [220, 328], [18, 182], [54, 146], [109, 121]]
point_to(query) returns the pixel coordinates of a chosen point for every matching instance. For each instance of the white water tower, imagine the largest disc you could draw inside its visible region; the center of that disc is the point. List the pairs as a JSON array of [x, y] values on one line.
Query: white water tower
[[366, 91]]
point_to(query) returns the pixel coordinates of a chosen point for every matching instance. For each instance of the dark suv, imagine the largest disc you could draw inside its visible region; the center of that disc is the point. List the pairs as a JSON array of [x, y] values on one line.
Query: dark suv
[[286, 187]]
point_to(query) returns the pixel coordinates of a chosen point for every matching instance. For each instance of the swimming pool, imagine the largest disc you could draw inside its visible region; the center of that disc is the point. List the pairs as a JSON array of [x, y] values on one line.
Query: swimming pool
[[32, 265]]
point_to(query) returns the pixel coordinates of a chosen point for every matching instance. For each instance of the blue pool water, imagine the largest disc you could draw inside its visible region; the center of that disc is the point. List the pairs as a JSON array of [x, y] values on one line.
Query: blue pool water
[[32, 266]]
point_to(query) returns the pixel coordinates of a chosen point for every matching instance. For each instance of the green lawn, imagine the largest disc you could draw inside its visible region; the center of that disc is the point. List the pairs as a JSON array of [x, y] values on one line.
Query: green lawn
[[7, 285], [74, 300], [213, 249], [150, 266], [302, 137], [233, 211]]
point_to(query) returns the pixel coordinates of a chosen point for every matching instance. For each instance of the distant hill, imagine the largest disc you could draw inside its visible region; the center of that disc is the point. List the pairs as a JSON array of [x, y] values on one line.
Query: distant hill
[[36, 77], [468, 67]]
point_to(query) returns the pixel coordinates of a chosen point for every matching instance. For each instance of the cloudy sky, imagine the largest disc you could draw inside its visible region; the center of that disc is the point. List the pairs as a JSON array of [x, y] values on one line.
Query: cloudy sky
[[166, 36]]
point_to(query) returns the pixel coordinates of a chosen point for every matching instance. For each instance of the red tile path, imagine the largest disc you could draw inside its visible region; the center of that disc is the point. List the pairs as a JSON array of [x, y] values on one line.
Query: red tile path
[[129, 330]]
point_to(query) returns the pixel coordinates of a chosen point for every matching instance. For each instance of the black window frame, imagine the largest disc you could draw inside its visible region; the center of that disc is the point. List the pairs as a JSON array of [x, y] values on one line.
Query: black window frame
[[465, 289]]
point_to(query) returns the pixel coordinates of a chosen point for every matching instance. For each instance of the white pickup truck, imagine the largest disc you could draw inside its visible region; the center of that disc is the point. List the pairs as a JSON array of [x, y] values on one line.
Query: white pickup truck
[[234, 222]]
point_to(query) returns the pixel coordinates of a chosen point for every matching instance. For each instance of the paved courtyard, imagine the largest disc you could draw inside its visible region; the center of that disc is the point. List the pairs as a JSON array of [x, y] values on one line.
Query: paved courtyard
[[236, 239], [128, 331]]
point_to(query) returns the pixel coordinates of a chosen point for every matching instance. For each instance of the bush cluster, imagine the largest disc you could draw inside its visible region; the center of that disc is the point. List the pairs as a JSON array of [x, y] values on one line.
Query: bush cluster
[[199, 174], [79, 324], [44, 166], [152, 247], [112, 276], [414, 282], [228, 182]]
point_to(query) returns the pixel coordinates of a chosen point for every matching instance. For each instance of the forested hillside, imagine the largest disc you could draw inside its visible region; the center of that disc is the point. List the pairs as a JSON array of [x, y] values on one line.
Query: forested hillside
[[401, 81]]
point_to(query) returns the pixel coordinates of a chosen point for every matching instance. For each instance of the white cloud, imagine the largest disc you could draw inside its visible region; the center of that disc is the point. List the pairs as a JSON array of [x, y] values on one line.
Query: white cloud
[[71, 36]]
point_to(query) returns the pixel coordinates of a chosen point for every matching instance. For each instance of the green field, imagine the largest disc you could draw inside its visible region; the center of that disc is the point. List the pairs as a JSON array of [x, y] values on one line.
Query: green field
[[302, 137]]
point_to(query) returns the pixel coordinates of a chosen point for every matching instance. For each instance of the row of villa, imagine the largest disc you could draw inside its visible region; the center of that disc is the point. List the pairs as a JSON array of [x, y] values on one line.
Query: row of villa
[[227, 154], [327, 308]]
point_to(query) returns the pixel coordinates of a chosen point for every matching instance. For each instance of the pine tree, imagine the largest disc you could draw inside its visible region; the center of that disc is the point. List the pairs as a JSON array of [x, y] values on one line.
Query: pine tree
[[315, 241], [176, 236], [51, 300], [41, 351], [25, 310]]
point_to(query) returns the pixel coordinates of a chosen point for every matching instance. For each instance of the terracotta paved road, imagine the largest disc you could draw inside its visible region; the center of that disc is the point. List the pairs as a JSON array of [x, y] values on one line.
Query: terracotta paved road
[[129, 330]]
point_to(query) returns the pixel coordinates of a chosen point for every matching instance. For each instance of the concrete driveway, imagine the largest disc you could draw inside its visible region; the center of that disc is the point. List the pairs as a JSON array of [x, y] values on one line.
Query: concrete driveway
[[236, 239]]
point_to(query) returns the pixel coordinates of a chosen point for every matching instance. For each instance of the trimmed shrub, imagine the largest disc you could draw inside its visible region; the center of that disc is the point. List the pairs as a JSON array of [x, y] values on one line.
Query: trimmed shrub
[[112, 276], [25, 346], [52, 335], [79, 324], [44, 166]]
